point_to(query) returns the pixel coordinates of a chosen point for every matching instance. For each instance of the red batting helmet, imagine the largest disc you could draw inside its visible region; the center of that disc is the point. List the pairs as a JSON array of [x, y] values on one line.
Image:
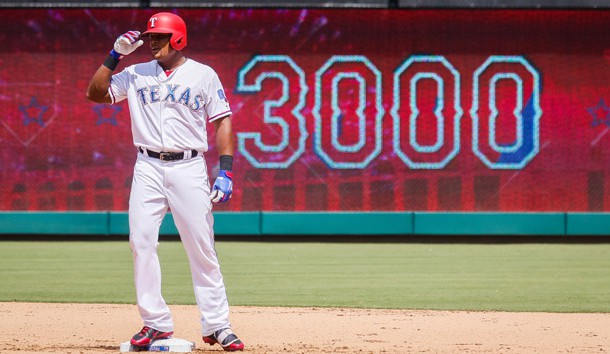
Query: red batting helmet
[[165, 22]]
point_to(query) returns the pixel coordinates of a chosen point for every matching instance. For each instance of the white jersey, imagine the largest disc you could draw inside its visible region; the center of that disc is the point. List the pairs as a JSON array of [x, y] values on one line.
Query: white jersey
[[170, 113]]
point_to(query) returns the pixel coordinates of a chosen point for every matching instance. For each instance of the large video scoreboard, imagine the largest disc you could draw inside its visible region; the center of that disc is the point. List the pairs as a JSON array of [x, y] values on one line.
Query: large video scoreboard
[[334, 109]]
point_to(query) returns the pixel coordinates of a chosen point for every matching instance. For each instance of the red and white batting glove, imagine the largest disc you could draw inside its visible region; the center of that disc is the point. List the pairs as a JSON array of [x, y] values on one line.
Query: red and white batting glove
[[126, 43]]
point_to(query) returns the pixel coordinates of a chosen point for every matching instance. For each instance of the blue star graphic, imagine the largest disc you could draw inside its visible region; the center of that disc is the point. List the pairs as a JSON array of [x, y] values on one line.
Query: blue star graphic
[[101, 119], [30, 108], [600, 114]]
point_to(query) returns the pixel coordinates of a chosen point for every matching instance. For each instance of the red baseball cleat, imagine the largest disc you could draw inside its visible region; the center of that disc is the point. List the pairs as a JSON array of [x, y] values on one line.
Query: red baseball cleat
[[226, 339], [147, 335]]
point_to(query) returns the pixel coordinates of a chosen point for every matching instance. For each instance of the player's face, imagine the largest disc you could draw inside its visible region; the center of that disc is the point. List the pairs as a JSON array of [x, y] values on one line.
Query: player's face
[[159, 45]]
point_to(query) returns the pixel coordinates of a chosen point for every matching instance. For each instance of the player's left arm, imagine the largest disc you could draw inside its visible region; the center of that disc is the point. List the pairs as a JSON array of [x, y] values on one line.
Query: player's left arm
[[225, 144]]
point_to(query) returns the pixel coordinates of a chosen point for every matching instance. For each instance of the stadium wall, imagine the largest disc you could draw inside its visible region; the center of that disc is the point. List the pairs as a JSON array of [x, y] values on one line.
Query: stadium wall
[[323, 223]]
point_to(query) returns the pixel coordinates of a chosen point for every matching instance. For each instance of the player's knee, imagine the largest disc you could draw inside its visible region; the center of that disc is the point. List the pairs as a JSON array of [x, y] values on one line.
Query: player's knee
[[143, 243]]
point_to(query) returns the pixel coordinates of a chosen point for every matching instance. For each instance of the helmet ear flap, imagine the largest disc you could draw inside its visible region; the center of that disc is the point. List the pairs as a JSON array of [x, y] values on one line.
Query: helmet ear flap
[[177, 43]]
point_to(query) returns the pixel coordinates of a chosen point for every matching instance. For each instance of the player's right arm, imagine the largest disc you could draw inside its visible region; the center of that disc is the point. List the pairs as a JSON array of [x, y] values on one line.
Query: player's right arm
[[98, 87], [100, 83]]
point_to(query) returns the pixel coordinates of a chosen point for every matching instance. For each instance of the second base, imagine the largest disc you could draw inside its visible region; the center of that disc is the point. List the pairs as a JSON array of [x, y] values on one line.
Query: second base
[[175, 345]]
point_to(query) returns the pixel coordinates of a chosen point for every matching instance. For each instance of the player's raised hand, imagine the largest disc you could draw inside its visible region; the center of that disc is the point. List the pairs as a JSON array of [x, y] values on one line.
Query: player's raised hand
[[126, 43], [223, 187]]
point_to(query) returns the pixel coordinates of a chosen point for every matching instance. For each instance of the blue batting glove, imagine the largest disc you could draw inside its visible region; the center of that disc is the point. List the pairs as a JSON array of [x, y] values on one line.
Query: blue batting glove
[[223, 187]]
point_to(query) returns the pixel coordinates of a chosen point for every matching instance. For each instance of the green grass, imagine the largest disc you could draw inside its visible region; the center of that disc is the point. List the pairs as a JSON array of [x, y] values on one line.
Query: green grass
[[502, 277]]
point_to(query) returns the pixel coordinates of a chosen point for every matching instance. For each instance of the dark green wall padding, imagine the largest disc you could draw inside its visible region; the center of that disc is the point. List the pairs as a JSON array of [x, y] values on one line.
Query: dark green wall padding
[[322, 223]]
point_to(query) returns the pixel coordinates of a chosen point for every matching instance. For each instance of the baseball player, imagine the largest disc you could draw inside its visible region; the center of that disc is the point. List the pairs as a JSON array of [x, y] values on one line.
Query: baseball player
[[171, 99]]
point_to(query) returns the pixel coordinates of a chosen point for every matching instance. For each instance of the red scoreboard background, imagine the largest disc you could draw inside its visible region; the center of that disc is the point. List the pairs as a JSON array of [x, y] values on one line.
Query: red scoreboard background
[[334, 109]]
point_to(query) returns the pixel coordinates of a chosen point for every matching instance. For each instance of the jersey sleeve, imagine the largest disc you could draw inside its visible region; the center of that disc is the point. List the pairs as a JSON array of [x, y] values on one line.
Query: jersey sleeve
[[118, 86], [217, 105]]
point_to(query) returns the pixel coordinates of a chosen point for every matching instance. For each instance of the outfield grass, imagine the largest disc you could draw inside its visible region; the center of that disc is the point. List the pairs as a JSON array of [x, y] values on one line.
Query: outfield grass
[[505, 277]]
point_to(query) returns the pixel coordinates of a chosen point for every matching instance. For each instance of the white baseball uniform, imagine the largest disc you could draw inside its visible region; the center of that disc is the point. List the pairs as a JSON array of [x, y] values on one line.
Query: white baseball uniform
[[169, 113]]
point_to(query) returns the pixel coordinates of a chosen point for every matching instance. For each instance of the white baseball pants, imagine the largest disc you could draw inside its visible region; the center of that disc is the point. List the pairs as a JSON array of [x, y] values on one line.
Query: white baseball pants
[[182, 186]]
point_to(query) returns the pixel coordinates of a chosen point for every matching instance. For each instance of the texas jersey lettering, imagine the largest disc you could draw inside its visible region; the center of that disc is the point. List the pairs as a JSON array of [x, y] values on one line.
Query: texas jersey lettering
[[184, 106], [169, 93]]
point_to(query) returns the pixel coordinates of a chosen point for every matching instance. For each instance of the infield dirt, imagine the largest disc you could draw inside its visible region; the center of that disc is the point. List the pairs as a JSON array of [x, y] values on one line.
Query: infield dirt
[[100, 328]]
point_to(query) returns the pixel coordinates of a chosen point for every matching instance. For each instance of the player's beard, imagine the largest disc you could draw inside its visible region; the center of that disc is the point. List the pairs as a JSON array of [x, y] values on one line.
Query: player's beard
[[160, 53], [168, 58], [161, 50]]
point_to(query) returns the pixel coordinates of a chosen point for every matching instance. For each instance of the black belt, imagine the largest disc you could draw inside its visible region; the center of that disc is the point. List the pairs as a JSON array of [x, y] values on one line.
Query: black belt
[[166, 156]]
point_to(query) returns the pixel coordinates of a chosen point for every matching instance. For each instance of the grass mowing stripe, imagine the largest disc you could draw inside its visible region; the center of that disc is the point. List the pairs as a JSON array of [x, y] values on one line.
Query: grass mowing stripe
[[66, 272], [529, 277], [506, 277]]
